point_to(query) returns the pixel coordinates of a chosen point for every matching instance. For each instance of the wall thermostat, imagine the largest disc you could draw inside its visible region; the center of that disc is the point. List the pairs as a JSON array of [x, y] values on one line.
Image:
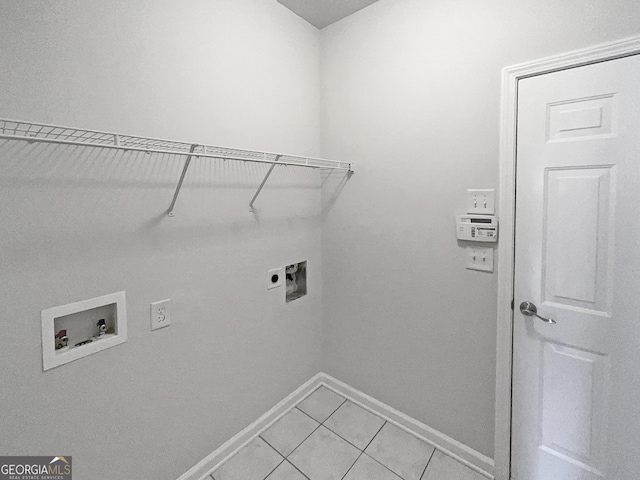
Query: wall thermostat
[[477, 228]]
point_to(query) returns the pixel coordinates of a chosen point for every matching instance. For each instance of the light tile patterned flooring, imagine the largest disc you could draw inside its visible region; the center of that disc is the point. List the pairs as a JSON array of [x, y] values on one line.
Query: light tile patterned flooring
[[326, 437]]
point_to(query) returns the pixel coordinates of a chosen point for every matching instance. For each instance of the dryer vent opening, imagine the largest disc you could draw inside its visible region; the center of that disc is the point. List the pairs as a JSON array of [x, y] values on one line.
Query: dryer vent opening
[[296, 281]]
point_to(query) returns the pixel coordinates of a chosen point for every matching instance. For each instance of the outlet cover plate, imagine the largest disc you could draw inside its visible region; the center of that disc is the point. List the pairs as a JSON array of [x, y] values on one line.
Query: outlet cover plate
[[480, 258], [482, 202], [160, 314], [275, 278]]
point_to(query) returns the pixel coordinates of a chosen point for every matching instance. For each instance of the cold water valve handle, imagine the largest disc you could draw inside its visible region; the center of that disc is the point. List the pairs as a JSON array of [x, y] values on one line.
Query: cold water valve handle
[[530, 310]]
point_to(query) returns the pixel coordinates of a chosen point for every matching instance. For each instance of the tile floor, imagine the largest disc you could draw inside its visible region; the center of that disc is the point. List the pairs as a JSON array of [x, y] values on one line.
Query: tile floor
[[326, 437]]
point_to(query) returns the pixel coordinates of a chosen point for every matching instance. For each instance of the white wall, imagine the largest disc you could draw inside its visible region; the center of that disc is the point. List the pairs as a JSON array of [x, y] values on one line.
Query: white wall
[[410, 90], [79, 223], [411, 93]]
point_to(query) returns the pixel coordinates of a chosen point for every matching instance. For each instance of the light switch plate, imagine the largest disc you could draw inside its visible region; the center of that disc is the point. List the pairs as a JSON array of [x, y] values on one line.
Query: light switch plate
[[481, 202], [480, 258], [275, 278], [160, 314]]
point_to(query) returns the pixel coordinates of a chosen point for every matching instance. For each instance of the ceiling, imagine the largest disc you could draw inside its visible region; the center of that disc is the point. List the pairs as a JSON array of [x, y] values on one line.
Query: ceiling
[[321, 13]]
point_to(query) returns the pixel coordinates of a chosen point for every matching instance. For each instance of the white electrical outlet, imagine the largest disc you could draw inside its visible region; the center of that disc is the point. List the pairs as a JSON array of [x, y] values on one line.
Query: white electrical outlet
[[275, 278], [480, 258], [160, 314], [481, 202]]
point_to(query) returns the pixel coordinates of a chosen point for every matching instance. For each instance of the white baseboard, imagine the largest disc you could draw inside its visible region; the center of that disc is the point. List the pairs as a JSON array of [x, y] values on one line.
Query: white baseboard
[[464, 454], [207, 465], [473, 459]]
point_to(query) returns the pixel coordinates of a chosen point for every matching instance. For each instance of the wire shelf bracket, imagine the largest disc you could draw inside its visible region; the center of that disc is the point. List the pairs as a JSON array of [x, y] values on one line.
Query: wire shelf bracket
[[179, 186], [45, 133], [264, 180]]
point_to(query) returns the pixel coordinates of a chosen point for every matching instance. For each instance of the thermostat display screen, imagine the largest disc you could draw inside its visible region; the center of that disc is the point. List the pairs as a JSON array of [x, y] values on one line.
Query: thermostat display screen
[[480, 220]]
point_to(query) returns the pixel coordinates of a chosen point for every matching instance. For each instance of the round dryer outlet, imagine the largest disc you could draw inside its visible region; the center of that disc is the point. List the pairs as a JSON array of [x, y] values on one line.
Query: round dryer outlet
[[275, 278]]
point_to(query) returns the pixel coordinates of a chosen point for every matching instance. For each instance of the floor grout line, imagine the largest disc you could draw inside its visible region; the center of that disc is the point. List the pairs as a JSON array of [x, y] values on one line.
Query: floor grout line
[[385, 466], [373, 438], [343, 402], [336, 433], [283, 460], [349, 469], [300, 410], [381, 464], [274, 448], [427, 465], [305, 439], [361, 451], [322, 424], [342, 438], [301, 472]]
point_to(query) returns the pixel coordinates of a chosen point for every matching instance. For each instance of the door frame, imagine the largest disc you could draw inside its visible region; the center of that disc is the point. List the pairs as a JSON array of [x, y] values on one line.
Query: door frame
[[506, 247]]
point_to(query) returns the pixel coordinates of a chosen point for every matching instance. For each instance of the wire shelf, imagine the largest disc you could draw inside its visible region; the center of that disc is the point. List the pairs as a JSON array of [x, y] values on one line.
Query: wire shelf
[[56, 134], [40, 132]]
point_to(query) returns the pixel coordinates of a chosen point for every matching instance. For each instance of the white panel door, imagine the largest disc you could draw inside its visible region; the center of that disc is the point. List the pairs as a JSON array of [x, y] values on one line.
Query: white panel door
[[576, 382]]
